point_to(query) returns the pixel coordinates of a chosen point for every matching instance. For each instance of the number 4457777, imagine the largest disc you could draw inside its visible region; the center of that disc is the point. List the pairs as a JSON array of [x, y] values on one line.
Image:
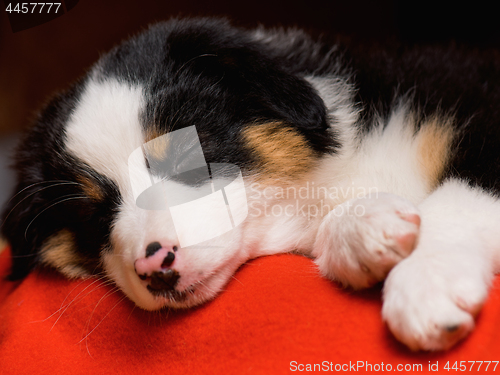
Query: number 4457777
[[33, 7], [471, 365]]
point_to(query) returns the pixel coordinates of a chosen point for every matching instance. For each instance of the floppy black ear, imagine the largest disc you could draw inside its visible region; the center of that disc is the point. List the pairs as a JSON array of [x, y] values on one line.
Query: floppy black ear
[[37, 162], [293, 99], [16, 218], [252, 73]]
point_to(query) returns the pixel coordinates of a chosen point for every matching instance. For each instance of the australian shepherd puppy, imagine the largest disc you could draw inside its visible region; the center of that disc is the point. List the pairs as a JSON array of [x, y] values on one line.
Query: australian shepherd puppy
[[195, 146]]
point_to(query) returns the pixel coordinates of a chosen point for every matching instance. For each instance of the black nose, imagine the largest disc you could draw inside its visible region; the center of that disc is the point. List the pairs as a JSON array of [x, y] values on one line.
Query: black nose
[[163, 281]]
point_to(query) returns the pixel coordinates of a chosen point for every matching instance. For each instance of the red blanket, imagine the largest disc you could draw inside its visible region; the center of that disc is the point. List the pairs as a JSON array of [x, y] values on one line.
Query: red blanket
[[276, 316]]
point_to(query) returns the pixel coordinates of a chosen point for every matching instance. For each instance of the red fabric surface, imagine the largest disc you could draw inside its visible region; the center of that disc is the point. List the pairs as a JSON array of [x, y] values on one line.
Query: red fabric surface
[[276, 310]]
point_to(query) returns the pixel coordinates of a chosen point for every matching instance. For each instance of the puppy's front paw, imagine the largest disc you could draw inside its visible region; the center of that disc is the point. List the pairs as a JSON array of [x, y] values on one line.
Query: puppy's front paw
[[360, 241], [430, 304]]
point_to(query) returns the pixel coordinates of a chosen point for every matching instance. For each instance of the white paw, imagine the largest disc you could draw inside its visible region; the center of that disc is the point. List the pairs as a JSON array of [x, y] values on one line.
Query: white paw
[[430, 304], [360, 241]]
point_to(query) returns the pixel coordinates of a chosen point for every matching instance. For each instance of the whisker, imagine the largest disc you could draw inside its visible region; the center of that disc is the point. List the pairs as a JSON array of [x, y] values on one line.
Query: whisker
[[71, 197], [80, 283], [59, 182], [191, 60], [62, 309], [234, 277], [62, 305], [107, 294], [36, 191], [109, 312], [131, 311], [86, 337], [204, 285], [76, 299]]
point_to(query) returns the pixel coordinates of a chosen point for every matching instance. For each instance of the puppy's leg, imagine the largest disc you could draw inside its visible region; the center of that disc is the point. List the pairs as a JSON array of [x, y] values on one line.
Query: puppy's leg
[[362, 239], [431, 297]]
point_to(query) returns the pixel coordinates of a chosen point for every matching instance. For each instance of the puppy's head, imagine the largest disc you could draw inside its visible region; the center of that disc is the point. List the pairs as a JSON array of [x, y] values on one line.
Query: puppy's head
[[132, 173]]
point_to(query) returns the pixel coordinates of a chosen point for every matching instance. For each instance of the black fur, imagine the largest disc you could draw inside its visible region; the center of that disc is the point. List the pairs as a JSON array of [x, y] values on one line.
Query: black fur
[[208, 74], [48, 190]]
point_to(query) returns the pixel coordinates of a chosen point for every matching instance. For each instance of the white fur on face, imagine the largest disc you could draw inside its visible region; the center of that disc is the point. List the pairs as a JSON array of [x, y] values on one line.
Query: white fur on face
[[204, 268], [103, 131], [105, 128]]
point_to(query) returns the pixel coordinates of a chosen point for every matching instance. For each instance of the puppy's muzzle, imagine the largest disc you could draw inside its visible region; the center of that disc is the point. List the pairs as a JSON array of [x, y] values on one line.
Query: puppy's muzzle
[[157, 268]]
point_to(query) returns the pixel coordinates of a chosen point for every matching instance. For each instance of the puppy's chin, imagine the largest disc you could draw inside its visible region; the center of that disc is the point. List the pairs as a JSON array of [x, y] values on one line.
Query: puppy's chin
[[190, 297], [196, 288], [201, 271]]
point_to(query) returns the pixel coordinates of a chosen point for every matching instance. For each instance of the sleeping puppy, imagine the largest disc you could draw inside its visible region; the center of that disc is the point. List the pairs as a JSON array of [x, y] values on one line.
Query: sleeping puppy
[[195, 146]]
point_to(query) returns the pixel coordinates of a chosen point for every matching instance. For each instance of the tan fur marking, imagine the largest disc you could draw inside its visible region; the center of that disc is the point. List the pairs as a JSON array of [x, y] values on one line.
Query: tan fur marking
[[158, 148], [58, 252], [153, 133], [282, 152], [435, 139], [91, 189]]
